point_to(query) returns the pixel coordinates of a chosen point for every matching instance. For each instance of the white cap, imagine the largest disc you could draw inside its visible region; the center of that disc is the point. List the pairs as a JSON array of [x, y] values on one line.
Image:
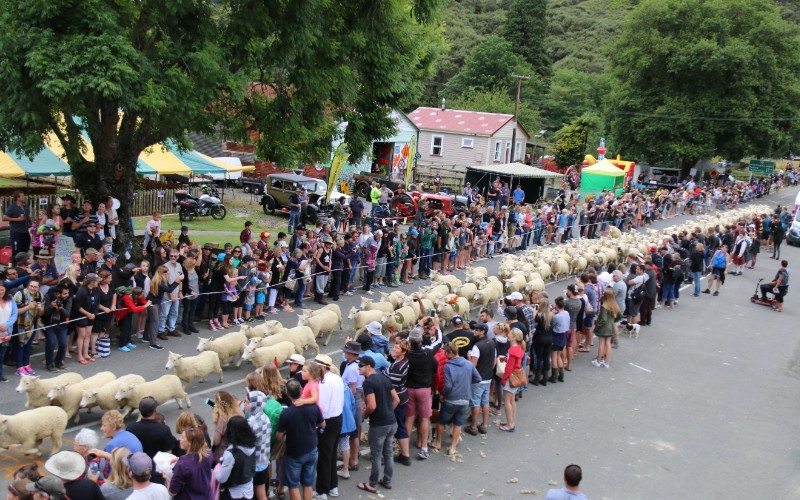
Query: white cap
[[514, 296], [374, 328]]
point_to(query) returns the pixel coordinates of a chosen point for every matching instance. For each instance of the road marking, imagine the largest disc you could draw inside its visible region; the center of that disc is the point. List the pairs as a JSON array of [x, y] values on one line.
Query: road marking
[[203, 392], [640, 367]]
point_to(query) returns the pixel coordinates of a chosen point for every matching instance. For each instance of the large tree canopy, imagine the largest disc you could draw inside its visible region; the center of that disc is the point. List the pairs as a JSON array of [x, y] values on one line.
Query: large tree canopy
[[133, 74], [526, 28], [694, 79]]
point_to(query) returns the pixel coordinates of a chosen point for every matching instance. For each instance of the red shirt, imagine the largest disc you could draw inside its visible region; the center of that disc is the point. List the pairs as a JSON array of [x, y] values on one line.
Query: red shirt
[[513, 361]]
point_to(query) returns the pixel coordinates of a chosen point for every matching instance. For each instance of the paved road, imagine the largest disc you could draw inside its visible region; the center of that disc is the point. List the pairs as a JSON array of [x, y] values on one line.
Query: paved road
[[696, 407]]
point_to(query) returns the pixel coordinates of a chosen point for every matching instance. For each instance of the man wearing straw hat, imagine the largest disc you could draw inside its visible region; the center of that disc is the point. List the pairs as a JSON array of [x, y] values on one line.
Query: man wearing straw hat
[[69, 467]]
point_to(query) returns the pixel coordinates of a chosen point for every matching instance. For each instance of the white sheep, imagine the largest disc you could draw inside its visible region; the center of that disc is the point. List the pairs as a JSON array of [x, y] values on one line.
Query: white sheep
[[194, 367], [330, 307], [560, 268], [261, 330], [301, 336], [29, 428], [467, 290], [396, 298], [105, 395], [405, 317], [383, 306], [489, 294], [535, 285], [477, 270], [435, 292], [68, 396], [450, 306], [36, 389], [227, 347], [515, 283], [260, 356], [320, 324], [446, 279], [161, 389], [361, 319]]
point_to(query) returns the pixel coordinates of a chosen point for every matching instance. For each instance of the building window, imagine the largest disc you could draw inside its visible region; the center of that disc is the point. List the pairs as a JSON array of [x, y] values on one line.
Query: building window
[[508, 151], [517, 150], [498, 147], [437, 145], [467, 142]]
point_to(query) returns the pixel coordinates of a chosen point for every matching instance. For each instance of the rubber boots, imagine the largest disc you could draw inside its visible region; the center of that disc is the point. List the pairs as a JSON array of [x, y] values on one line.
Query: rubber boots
[[560, 374], [543, 380], [536, 375], [553, 373]]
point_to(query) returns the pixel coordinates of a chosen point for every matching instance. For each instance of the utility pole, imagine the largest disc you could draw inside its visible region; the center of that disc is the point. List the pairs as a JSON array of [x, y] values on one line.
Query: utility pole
[[516, 114]]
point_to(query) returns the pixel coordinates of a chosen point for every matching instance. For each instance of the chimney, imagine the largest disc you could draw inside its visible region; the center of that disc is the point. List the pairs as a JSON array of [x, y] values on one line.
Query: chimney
[[443, 107]]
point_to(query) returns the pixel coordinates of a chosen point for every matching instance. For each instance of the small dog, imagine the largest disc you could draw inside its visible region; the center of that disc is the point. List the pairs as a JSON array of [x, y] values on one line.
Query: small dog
[[631, 330]]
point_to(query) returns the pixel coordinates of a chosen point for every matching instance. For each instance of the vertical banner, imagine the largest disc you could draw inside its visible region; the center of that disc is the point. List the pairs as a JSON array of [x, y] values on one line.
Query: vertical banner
[[411, 158], [339, 159]]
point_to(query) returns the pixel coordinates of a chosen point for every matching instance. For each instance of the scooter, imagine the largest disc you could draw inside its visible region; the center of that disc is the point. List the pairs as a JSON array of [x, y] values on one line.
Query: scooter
[[756, 298]]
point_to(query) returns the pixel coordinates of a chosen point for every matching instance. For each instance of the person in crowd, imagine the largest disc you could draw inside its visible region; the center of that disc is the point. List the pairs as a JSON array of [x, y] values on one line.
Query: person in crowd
[[561, 325], [516, 352], [30, 309], [85, 441], [171, 300], [190, 287], [85, 307], [259, 422], [57, 307], [18, 216], [238, 461], [571, 491], [46, 488], [70, 468], [118, 485], [226, 407], [131, 302], [380, 400], [159, 288], [459, 376], [101, 326], [112, 427], [299, 425], [191, 474], [153, 435], [779, 286], [398, 374], [719, 269], [483, 356], [606, 328], [140, 470]]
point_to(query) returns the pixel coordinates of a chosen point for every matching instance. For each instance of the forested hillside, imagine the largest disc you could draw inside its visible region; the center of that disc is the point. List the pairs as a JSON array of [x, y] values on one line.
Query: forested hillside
[[579, 35]]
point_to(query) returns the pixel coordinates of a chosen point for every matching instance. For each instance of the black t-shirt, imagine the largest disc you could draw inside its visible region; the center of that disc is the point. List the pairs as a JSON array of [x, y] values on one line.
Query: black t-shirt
[[487, 351], [13, 210], [86, 299], [520, 326], [464, 339], [85, 242], [421, 367], [84, 489], [299, 423], [294, 200], [154, 437], [380, 385], [68, 213]]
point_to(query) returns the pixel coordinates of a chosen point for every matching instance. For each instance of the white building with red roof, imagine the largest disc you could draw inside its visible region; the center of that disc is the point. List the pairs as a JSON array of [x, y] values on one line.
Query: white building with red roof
[[452, 137]]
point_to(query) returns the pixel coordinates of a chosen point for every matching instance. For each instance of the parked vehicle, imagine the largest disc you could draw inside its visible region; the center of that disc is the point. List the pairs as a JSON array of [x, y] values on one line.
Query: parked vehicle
[[362, 184], [208, 203], [405, 203], [279, 187]]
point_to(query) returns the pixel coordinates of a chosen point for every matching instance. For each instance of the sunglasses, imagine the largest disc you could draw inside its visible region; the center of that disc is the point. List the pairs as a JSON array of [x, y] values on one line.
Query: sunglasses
[[237, 251]]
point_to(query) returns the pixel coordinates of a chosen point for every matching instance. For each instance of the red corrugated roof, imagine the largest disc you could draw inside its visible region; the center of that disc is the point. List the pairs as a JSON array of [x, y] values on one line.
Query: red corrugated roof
[[458, 121]]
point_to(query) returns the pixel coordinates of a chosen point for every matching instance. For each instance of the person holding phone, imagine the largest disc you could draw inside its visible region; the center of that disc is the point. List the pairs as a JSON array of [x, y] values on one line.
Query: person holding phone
[[29, 319]]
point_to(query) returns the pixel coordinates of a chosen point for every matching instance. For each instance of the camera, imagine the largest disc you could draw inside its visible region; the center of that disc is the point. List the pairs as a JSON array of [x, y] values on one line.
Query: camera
[[59, 303], [211, 403]]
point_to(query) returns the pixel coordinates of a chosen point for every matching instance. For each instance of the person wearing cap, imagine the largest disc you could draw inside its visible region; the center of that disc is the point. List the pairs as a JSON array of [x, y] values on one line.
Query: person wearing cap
[[91, 262], [459, 376], [354, 381], [171, 300], [110, 264], [461, 335], [379, 343], [297, 239], [380, 400], [140, 470], [48, 274], [295, 362], [69, 467], [483, 358], [44, 488], [331, 402], [153, 435], [88, 238], [184, 236]]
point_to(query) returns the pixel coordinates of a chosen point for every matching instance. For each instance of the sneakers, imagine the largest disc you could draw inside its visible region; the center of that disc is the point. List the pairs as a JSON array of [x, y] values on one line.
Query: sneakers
[[156, 347], [4, 380], [22, 371], [707, 290], [472, 431], [423, 454], [605, 365], [596, 363], [30, 370], [400, 459], [369, 292], [61, 366], [131, 346], [319, 496], [334, 493], [482, 429], [124, 349], [272, 310], [52, 368], [715, 293], [212, 326], [341, 473], [349, 293]]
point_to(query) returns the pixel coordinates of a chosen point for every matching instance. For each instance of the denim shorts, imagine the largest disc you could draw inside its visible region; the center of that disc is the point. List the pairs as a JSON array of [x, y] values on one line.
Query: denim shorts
[[451, 413], [480, 394], [300, 471]]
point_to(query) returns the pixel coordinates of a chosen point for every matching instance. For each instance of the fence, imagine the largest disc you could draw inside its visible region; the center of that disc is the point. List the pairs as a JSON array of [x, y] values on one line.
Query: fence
[[145, 201]]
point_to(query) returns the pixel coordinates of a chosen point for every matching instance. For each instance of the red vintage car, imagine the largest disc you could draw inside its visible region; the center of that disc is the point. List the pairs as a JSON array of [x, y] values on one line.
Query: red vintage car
[[405, 203]]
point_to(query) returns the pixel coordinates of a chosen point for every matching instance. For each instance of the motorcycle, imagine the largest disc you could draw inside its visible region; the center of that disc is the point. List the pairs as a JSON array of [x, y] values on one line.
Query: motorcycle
[[756, 298], [208, 203]]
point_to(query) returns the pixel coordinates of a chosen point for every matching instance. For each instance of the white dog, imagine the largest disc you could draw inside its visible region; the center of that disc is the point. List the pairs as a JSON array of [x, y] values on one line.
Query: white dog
[[631, 330]]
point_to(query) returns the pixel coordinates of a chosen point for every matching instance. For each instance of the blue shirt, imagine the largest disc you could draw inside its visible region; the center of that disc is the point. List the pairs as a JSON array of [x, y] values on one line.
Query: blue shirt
[[380, 360], [126, 439], [564, 494], [519, 195]]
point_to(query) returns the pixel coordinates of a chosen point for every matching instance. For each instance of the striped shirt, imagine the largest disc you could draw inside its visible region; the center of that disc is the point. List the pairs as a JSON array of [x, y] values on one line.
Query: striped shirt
[[398, 374]]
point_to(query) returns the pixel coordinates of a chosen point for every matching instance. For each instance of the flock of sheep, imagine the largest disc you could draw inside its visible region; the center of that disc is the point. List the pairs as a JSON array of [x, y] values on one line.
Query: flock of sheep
[[58, 399]]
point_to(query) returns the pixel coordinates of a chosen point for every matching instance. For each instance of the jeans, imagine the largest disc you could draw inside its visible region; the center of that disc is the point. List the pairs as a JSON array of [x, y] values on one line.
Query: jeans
[[294, 220], [189, 308], [169, 315], [23, 351], [380, 445], [352, 274], [697, 278], [56, 334], [425, 260], [668, 294], [300, 471], [301, 290]]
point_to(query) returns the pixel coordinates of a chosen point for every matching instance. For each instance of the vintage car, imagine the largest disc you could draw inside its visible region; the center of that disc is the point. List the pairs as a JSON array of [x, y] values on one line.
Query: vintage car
[[279, 187], [405, 203]]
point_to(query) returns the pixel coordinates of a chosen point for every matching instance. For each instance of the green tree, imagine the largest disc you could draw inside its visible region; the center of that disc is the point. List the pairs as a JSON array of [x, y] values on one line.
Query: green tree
[[570, 94], [525, 29], [498, 102], [695, 79], [127, 74], [571, 141], [489, 68]]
